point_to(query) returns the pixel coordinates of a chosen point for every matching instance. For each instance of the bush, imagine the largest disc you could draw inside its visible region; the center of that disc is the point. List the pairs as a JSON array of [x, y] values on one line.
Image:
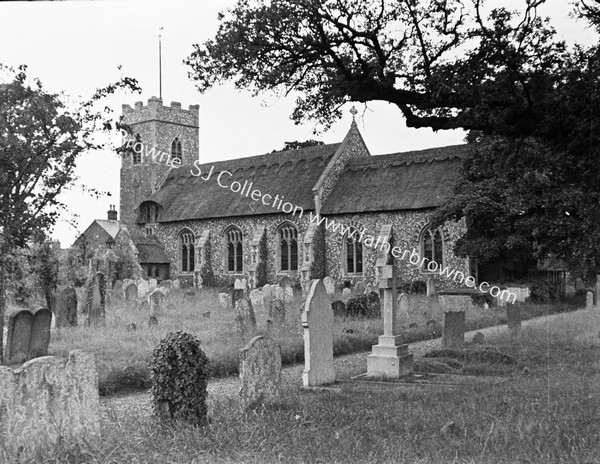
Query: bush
[[364, 306], [542, 291], [179, 379]]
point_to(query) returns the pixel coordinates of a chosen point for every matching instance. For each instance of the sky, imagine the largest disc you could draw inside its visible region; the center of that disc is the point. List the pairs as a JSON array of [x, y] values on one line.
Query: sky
[[75, 47]]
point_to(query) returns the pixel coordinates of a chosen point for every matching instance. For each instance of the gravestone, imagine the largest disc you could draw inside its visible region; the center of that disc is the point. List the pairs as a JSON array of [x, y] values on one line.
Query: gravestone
[[278, 293], [390, 357], [48, 403], [96, 314], [453, 332], [360, 288], [373, 304], [260, 372], [579, 284], [224, 300], [40, 333], [589, 300], [256, 297], [346, 294], [156, 301], [329, 285], [277, 312], [18, 337], [168, 284], [285, 282], [244, 285], [142, 286], [131, 292], [117, 291], [246, 312], [268, 297], [236, 295], [238, 284], [66, 308], [317, 321], [288, 295], [176, 284], [513, 319], [152, 283], [339, 308]]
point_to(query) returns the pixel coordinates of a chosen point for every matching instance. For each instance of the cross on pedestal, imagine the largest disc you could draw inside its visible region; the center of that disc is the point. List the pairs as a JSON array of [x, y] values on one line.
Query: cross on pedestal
[[390, 358]]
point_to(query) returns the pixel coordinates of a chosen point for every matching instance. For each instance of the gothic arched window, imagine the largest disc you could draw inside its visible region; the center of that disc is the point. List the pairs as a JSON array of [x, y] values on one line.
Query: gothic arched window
[[432, 247], [288, 247], [235, 256], [353, 252], [186, 241], [176, 149], [137, 150]]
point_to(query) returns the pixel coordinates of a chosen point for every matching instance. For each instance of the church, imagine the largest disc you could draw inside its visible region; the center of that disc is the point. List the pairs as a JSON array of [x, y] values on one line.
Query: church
[[298, 213]]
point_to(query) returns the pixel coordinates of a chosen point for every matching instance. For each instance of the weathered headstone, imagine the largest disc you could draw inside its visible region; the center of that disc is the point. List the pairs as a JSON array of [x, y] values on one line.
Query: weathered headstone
[[117, 291], [131, 292], [176, 284], [360, 288], [156, 300], [18, 337], [238, 284], [260, 372], [513, 318], [390, 357], [168, 284], [246, 312], [329, 285], [224, 300], [66, 308], [288, 295], [49, 402], [143, 288], [277, 314], [339, 308], [579, 284], [453, 332], [589, 300], [256, 297], [40, 333], [317, 320], [346, 294], [279, 293], [152, 283], [268, 297], [96, 313]]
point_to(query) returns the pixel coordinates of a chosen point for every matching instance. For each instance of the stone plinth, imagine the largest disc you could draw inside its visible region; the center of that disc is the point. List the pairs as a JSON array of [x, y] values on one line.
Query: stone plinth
[[390, 358], [453, 332]]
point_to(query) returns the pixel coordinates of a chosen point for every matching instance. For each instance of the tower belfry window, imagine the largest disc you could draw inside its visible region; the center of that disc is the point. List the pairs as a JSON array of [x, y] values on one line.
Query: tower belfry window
[[177, 149]]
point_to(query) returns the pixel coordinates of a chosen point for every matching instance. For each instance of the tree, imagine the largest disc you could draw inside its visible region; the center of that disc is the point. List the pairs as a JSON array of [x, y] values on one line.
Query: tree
[[44, 262], [40, 141], [296, 145], [440, 62]]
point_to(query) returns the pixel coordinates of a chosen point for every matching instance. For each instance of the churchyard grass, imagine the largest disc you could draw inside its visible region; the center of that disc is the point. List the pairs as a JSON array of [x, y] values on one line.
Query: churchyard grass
[[122, 355], [546, 412]]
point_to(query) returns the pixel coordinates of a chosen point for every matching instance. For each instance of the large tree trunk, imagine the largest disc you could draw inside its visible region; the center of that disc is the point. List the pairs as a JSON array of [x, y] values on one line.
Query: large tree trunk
[[2, 302]]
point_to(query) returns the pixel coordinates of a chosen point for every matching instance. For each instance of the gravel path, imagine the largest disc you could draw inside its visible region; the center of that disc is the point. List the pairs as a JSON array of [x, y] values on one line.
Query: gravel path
[[345, 367]]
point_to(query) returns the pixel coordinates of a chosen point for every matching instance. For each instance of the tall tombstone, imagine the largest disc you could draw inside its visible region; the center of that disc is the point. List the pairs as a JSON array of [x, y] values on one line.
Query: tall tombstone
[[317, 321], [260, 372], [288, 295], [40, 333], [346, 294], [268, 298], [390, 357], [513, 318], [117, 291], [156, 301], [278, 312], [246, 313], [96, 313], [152, 284], [131, 292], [143, 288], [430, 287], [589, 300], [453, 332], [329, 285], [66, 308], [18, 337]]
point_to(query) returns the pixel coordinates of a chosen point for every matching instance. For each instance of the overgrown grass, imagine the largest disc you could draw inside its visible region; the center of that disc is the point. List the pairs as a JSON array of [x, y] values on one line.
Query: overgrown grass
[[122, 355], [547, 412]]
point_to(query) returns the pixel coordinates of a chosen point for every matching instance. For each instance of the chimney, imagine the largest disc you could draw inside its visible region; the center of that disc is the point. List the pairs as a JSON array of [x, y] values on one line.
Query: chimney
[[112, 213]]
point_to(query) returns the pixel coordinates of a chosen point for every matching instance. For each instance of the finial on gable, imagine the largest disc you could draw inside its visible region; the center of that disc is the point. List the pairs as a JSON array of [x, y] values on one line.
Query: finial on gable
[[353, 112]]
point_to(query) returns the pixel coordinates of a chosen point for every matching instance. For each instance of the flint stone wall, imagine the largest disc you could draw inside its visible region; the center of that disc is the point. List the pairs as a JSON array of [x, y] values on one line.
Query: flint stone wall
[[46, 401]]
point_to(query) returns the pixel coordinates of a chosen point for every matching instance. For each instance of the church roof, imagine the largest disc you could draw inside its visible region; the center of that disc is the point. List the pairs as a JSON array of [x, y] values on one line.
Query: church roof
[[290, 174], [150, 250], [399, 181]]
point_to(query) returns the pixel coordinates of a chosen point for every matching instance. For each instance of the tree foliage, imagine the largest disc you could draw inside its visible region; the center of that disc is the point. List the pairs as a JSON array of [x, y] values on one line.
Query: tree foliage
[[40, 141]]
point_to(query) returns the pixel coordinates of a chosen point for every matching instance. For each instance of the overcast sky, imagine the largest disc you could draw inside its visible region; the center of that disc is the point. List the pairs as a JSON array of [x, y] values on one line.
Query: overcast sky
[[77, 46]]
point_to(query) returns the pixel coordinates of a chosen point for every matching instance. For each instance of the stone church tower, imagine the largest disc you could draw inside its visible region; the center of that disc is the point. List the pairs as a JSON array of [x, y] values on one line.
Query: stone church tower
[[163, 134]]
